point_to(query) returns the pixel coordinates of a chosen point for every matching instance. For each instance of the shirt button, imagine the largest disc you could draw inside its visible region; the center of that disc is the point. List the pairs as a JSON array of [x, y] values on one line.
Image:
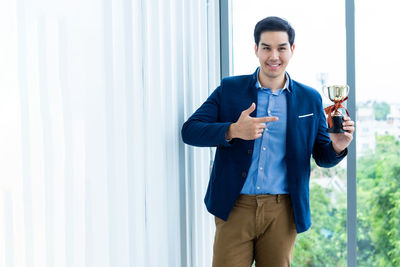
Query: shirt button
[[258, 187], [244, 174], [261, 168], [264, 148], [250, 151]]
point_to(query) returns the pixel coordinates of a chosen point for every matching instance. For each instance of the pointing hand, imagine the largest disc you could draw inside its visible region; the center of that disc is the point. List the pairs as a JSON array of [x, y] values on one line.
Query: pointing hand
[[247, 127]]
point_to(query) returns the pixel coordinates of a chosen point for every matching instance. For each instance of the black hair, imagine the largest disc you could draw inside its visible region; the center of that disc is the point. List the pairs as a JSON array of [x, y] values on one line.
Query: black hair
[[273, 24]]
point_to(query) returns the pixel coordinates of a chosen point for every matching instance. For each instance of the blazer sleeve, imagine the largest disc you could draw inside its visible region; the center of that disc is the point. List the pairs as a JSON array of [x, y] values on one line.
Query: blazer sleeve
[[323, 152], [203, 128]]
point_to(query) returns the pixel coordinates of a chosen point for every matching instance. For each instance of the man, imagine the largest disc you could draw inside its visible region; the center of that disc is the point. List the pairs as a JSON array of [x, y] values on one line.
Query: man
[[266, 126]]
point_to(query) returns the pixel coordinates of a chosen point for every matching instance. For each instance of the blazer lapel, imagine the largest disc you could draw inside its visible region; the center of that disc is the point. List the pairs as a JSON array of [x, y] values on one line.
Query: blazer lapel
[[253, 93], [291, 119]]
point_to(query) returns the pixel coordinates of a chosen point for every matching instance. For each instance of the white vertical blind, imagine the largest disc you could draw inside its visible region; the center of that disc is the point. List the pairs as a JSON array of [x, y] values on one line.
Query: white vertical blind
[[93, 94]]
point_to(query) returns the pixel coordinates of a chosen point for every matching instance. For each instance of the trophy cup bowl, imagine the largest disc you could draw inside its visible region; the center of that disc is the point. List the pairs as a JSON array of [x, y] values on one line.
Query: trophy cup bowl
[[337, 94]]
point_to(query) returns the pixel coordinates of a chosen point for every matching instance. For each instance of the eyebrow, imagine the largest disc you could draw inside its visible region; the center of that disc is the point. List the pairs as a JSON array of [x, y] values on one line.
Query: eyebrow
[[282, 44]]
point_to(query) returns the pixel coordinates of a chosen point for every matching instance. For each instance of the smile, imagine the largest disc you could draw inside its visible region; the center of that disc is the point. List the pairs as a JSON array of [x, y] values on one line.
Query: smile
[[273, 66]]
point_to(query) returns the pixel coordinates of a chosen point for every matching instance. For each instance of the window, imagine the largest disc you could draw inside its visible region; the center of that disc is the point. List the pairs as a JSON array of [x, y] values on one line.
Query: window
[[378, 149], [319, 58]]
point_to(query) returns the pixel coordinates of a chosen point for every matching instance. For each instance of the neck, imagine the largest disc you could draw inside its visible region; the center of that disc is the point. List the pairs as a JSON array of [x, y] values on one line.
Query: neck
[[274, 83]]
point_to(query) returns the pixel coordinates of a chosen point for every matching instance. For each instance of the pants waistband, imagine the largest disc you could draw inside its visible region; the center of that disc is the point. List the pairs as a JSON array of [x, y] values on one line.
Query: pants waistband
[[256, 199]]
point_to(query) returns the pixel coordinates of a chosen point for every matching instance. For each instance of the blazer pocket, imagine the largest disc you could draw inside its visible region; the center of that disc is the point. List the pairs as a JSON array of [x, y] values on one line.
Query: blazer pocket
[[306, 115]]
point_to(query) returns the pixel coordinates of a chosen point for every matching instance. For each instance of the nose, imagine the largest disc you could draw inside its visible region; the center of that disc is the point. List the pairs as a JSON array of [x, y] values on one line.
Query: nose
[[275, 54]]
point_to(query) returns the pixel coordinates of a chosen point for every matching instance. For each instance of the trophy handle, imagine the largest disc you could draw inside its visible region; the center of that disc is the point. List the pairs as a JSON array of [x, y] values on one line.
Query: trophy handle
[[347, 90]]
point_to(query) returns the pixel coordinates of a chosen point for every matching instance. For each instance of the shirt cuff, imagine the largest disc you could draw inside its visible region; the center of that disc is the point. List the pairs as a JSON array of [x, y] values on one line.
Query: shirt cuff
[[342, 154]]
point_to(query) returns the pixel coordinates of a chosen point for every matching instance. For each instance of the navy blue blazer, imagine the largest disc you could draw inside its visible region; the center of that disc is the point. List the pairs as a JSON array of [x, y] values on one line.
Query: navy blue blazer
[[306, 136]]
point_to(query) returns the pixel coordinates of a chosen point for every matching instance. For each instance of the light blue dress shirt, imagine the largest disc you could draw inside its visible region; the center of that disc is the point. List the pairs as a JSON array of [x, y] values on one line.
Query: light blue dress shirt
[[268, 173]]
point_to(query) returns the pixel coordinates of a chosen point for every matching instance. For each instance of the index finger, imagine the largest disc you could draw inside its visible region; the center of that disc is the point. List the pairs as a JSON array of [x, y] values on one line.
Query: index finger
[[266, 119]]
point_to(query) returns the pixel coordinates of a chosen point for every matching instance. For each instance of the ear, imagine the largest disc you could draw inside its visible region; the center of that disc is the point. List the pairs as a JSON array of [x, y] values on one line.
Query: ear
[[256, 49], [293, 46]]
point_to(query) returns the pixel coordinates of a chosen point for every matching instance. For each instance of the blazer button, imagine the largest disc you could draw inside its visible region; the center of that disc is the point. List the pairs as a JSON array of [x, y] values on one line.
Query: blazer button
[[250, 151], [244, 174]]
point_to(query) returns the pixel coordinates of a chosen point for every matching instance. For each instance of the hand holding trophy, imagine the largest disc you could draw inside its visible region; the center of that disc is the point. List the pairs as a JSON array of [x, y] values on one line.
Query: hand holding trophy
[[337, 94]]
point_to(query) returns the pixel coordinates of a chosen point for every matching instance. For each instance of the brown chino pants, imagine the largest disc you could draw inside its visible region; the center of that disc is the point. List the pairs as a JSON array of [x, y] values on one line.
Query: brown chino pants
[[260, 228]]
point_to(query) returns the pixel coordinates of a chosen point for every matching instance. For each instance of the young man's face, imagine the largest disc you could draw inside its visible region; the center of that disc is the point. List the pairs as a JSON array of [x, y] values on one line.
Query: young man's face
[[274, 53]]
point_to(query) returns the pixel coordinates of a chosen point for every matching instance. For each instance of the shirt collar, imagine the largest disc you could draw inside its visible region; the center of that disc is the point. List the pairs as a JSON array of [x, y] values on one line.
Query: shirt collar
[[286, 86]]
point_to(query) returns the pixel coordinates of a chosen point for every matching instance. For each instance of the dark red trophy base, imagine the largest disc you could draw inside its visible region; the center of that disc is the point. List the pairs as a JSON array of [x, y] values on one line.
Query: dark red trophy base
[[337, 126]]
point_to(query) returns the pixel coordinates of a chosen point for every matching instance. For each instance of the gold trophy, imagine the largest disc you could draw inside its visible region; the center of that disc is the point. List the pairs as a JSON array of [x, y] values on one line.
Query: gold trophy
[[337, 94]]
